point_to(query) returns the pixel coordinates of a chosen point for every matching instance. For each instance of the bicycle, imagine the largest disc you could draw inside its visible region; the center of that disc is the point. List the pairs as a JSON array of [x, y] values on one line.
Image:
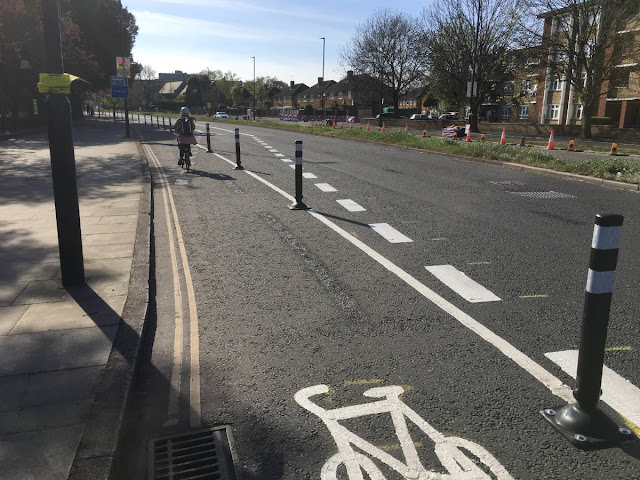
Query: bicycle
[[449, 450], [186, 161]]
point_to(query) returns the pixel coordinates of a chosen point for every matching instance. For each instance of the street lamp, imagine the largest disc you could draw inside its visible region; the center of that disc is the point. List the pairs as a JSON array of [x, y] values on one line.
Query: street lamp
[[323, 82], [254, 87]]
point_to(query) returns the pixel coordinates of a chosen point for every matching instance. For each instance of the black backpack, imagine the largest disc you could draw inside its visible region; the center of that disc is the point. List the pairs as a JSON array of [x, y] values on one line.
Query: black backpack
[[185, 126]]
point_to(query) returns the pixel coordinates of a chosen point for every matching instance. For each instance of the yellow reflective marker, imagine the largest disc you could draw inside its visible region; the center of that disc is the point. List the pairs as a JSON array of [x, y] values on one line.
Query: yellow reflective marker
[[479, 263], [534, 296], [54, 83], [437, 239], [616, 349]]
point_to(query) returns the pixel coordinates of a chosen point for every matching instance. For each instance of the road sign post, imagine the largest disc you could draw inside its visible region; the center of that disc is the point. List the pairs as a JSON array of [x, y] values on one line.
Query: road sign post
[[63, 164]]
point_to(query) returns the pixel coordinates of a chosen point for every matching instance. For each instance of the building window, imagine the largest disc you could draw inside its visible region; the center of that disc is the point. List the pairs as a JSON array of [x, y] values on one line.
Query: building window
[[583, 76], [523, 112], [339, 95], [507, 88], [506, 113], [577, 111], [331, 96], [555, 83], [621, 77], [349, 94], [311, 98], [526, 84], [304, 99], [553, 111]]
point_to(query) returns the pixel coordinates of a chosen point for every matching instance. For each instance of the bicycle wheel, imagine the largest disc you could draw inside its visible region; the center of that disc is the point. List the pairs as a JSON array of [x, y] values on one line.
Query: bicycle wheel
[[330, 468], [459, 465]]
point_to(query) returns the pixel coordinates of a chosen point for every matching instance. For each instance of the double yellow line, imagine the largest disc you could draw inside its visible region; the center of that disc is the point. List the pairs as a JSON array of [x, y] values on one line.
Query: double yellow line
[[194, 341]]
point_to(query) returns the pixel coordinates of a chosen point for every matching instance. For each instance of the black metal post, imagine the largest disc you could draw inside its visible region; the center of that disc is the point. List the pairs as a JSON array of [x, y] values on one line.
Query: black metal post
[[114, 113], [164, 127], [144, 115], [63, 163], [208, 140], [158, 122], [298, 204], [583, 423], [238, 165], [170, 125]]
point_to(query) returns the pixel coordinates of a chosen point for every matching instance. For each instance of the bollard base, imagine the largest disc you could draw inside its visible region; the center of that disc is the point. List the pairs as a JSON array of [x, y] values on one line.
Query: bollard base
[[238, 167], [586, 430], [298, 206], [209, 150]]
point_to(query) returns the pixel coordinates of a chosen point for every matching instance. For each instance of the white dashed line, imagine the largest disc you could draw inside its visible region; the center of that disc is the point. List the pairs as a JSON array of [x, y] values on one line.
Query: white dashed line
[[268, 146], [390, 233], [457, 281], [308, 175], [279, 155], [325, 187], [293, 166], [617, 392], [273, 150], [351, 205]]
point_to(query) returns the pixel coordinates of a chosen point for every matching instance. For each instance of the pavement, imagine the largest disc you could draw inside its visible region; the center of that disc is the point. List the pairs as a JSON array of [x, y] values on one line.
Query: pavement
[[68, 355]]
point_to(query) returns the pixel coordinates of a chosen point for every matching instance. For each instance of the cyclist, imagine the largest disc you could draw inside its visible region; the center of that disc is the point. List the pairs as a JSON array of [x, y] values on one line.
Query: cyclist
[[185, 126]]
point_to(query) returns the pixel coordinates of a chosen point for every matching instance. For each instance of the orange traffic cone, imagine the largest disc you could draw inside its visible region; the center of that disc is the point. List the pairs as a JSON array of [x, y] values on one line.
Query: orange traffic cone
[[316, 123], [351, 126], [614, 149], [551, 145], [367, 125], [406, 128], [334, 125], [455, 135], [503, 137], [360, 126], [482, 138], [424, 134], [383, 127], [571, 146], [468, 139]]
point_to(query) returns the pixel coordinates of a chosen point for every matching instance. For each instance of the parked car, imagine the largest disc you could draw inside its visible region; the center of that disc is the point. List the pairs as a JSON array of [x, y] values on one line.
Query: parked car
[[449, 131], [418, 116], [221, 115], [353, 119], [448, 116]]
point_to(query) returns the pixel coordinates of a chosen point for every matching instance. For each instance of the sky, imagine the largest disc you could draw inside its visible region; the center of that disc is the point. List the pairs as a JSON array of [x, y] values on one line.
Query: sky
[[282, 35]]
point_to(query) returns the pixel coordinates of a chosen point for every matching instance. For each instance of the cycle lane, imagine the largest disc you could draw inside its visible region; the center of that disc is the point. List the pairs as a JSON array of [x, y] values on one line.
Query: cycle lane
[[353, 352]]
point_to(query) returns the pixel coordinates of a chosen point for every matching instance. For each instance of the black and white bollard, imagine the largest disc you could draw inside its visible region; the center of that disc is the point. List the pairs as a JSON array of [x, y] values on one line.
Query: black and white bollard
[[298, 204], [238, 165], [158, 122], [583, 423], [164, 127], [208, 140], [145, 118]]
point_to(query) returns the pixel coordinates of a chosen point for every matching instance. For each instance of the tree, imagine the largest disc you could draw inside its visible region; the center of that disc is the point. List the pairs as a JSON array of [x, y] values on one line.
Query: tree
[[585, 42], [472, 41], [198, 90], [389, 47]]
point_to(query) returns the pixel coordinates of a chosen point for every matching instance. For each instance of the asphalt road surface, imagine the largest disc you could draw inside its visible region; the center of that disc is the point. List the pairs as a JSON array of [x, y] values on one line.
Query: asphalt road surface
[[459, 284]]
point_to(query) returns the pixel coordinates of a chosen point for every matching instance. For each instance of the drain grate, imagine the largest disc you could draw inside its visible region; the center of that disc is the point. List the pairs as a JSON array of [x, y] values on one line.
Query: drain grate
[[201, 454], [549, 194]]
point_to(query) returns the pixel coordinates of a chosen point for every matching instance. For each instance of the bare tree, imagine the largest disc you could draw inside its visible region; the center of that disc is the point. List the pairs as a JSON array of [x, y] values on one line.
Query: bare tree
[[145, 85], [592, 45], [472, 42], [388, 46]]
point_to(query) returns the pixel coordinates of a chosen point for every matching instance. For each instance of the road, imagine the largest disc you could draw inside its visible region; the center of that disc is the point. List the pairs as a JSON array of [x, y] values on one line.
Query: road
[[269, 302]]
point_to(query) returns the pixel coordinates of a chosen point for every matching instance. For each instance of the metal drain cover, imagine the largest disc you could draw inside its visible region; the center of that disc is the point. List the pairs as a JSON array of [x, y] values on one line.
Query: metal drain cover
[[199, 454]]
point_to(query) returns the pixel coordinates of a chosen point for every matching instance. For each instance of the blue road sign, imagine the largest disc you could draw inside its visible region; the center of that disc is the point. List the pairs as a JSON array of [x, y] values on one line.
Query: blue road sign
[[119, 87]]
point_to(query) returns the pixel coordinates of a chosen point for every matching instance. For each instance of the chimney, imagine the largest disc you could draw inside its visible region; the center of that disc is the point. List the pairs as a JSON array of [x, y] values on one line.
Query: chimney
[[292, 83], [349, 73], [320, 79]]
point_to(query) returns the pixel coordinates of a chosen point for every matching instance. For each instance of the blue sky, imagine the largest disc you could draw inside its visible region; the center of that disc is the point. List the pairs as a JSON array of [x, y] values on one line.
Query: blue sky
[[283, 35]]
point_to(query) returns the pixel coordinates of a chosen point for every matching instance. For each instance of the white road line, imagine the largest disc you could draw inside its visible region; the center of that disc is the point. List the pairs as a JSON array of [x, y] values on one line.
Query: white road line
[[293, 166], [461, 284], [288, 160], [279, 155], [268, 146], [273, 150], [308, 175], [546, 378], [325, 187], [390, 233], [617, 392], [351, 205]]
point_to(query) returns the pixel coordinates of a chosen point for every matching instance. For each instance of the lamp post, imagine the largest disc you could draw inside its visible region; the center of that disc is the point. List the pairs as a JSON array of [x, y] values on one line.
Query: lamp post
[[126, 106], [254, 87], [323, 82]]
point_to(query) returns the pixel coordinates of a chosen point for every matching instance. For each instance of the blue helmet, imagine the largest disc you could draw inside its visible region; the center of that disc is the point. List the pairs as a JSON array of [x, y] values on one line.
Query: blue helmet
[[184, 111]]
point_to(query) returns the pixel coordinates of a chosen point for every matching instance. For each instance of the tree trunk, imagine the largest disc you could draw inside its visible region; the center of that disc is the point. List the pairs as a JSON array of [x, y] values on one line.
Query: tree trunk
[[586, 124]]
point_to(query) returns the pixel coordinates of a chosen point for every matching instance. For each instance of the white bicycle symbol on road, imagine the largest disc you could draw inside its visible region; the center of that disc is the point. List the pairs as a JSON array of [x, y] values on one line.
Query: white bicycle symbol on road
[[449, 450]]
